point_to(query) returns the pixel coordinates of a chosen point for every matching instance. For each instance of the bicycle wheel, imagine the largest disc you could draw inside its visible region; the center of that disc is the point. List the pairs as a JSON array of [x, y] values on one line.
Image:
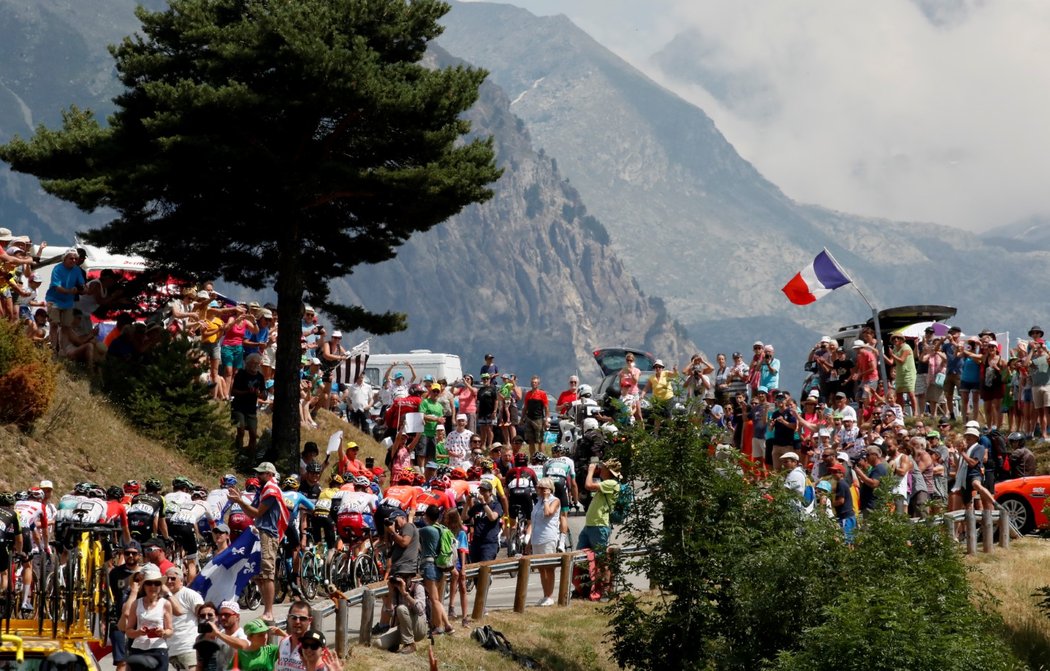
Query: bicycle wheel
[[342, 572], [281, 583], [71, 592], [309, 575], [365, 571]]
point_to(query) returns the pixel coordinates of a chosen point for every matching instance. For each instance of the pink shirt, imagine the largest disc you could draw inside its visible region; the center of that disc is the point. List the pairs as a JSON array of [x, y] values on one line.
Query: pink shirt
[[234, 335], [468, 400]]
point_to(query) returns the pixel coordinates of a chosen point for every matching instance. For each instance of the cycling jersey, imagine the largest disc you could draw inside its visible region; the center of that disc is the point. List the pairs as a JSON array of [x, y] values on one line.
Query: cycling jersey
[[323, 507], [184, 522], [427, 498], [521, 481], [69, 501], [497, 485], [32, 516], [358, 502], [218, 503], [116, 514], [87, 511], [403, 494], [173, 500], [460, 489], [561, 468], [10, 529]]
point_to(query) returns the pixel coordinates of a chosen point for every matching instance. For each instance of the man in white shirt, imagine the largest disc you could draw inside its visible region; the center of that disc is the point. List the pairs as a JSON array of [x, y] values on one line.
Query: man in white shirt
[[796, 477], [361, 396], [184, 602], [842, 406]]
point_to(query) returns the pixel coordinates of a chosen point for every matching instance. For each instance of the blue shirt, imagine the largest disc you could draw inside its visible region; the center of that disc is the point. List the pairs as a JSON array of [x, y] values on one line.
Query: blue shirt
[[769, 379], [971, 371], [260, 337], [293, 500], [954, 363], [267, 519], [67, 278]]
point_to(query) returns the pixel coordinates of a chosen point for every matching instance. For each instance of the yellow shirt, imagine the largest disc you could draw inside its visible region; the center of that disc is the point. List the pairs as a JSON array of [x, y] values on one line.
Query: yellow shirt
[[213, 323], [661, 383]]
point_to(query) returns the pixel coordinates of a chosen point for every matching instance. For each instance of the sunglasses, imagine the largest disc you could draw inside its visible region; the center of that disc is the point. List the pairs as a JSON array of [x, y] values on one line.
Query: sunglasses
[[171, 578], [152, 583], [299, 618], [131, 554]]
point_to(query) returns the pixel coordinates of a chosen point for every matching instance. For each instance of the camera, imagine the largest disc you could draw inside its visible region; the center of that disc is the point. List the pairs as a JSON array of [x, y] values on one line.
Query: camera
[[204, 628], [389, 522]]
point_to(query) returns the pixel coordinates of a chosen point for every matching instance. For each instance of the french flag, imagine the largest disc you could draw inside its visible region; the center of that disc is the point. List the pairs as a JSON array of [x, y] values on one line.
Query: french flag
[[815, 280]]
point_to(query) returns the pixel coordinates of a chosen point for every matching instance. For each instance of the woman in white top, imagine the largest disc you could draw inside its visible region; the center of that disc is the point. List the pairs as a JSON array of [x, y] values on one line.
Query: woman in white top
[[148, 619], [545, 528]]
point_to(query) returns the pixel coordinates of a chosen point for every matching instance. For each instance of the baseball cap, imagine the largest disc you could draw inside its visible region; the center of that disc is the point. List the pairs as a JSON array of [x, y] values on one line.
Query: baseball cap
[[231, 606], [223, 527], [256, 626], [46, 484], [152, 543], [489, 356], [658, 364], [933, 433], [842, 456], [337, 334], [573, 378], [824, 432], [857, 344], [134, 545], [789, 455], [435, 387], [485, 484], [823, 485], [944, 420], [461, 416], [266, 467], [308, 309], [761, 390], [825, 339], [758, 343], [351, 445], [485, 376], [837, 468], [840, 394], [151, 572], [313, 637], [973, 424]]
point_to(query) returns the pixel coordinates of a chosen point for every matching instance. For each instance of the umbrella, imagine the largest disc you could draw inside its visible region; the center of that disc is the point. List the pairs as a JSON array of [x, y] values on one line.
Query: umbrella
[[917, 330]]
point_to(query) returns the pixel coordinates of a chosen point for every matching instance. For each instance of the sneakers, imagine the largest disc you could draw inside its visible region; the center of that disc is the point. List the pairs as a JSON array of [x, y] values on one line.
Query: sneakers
[[548, 601]]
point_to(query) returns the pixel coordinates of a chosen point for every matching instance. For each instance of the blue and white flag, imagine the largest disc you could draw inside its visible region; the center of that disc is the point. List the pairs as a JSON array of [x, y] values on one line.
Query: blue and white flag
[[228, 573]]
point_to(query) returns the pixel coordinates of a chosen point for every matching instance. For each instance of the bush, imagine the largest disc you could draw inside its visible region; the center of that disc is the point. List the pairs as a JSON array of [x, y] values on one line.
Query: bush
[[27, 378], [746, 582], [159, 394]]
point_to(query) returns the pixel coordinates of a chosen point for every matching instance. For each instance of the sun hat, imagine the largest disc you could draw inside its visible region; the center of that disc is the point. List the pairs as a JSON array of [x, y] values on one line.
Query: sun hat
[[789, 455], [613, 465]]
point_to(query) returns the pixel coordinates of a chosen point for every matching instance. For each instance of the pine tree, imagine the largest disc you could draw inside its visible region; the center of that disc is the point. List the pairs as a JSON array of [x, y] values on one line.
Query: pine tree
[[274, 141]]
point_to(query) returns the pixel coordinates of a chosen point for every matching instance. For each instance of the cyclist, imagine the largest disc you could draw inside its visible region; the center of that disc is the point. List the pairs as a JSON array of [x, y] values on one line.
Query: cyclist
[[33, 518], [131, 490], [239, 521], [433, 496], [117, 516], [10, 536], [146, 513], [322, 523], [402, 492], [188, 516], [521, 490], [562, 471], [218, 500], [354, 520], [294, 500], [459, 487]]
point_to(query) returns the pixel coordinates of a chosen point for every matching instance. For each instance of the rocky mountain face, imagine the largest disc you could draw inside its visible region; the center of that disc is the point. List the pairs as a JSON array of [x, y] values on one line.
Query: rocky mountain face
[[529, 276], [700, 226]]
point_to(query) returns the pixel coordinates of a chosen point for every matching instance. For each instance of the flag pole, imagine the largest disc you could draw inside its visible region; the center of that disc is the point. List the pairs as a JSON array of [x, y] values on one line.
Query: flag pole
[[875, 316]]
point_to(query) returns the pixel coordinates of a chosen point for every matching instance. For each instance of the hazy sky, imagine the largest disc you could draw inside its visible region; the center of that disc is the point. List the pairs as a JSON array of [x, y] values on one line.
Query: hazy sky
[[934, 110]]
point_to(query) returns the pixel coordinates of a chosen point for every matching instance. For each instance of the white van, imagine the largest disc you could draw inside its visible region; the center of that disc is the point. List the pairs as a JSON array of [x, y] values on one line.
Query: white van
[[438, 365]]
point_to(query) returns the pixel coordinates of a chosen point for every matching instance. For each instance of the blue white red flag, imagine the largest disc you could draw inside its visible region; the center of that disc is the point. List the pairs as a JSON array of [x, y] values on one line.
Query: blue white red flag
[[228, 573], [816, 280], [271, 491]]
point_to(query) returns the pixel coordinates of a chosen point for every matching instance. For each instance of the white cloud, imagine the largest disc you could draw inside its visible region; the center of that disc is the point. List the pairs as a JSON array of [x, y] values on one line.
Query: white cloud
[[867, 107]]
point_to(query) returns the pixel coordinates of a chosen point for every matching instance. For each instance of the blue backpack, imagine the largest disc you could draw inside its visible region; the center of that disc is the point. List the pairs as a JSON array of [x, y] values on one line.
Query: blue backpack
[[622, 506]]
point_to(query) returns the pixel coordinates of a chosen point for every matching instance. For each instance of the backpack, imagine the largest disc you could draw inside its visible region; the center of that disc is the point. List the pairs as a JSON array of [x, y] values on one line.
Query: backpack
[[997, 453], [622, 506], [446, 556]]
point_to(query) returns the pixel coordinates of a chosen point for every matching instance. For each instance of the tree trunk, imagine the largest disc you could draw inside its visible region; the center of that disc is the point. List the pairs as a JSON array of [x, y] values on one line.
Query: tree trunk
[[285, 445]]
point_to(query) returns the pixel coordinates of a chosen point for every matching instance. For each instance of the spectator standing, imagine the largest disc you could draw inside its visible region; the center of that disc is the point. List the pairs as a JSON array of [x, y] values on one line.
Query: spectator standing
[[769, 369], [148, 621], [736, 379], [457, 444], [467, 397], [487, 397], [153, 552], [289, 648], [270, 515], [458, 581], [784, 423], [936, 373], [605, 489], [361, 396], [903, 359], [433, 414], [842, 501], [232, 352], [537, 405], [870, 471], [545, 528], [952, 349], [249, 387], [566, 398], [119, 583], [429, 546], [184, 604], [67, 282], [489, 367], [485, 516], [228, 632], [259, 655], [758, 415]]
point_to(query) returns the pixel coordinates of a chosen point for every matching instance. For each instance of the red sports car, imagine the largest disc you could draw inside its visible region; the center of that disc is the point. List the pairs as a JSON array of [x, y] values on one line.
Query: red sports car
[[1024, 499]]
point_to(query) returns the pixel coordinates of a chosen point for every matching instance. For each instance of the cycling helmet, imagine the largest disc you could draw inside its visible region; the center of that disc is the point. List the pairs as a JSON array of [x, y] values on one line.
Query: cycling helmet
[[436, 483], [539, 458], [443, 471], [415, 390], [473, 473], [251, 484], [199, 493], [7, 499], [22, 496], [458, 474], [153, 485], [418, 479], [557, 448], [132, 487], [181, 482], [314, 467], [114, 493], [590, 424], [611, 428], [1016, 440], [521, 459], [404, 477], [95, 493], [348, 477], [485, 464], [291, 482], [80, 489], [36, 493], [446, 482], [584, 391], [228, 480], [335, 480], [362, 481]]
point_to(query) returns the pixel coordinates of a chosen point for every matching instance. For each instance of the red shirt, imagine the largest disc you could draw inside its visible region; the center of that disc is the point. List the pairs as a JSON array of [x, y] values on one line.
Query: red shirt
[[398, 409], [565, 399], [115, 510], [536, 402]]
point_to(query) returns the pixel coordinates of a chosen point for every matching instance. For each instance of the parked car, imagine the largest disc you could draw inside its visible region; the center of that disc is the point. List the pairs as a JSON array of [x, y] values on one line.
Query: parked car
[[611, 361], [1024, 499]]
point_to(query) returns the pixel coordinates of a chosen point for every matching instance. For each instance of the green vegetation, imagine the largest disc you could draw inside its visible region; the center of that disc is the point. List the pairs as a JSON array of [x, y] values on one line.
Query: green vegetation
[[27, 378], [745, 582], [161, 396]]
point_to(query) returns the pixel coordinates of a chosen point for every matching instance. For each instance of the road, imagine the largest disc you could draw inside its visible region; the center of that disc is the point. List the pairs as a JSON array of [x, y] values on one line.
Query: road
[[500, 597]]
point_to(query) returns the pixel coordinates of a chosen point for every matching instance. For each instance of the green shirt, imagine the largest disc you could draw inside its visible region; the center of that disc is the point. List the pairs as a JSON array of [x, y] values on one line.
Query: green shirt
[[441, 454], [1040, 371], [602, 503], [263, 659], [428, 407]]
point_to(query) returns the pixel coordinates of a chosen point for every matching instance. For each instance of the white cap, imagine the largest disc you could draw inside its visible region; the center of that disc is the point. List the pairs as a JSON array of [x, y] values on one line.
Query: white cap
[[231, 606], [813, 393], [337, 334], [308, 309], [758, 343], [824, 432], [842, 456], [769, 348], [659, 362], [461, 416], [789, 455], [46, 484], [857, 344], [971, 431], [315, 361], [973, 424], [825, 339]]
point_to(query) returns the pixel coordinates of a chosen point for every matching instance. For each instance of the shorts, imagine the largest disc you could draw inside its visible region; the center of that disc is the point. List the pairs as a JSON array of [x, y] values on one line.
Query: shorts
[[1041, 397], [213, 350], [483, 552], [921, 382], [268, 354], [993, 394], [120, 643], [430, 571], [1026, 395], [268, 564], [484, 421], [593, 538], [849, 525], [140, 525], [758, 449], [233, 356], [244, 421], [184, 534], [5, 558], [522, 502], [186, 661], [562, 492], [352, 526], [426, 447], [61, 316], [533, 431], [291, 538], [322, 527], [548, 548], [966, 385]]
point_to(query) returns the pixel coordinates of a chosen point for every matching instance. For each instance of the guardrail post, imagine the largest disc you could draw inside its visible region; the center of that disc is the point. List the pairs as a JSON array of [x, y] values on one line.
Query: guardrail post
[[368, 604], [986, 529], [342, 613], [481, 592], [565, 581], [1005, 528], [949, 526], [521, 589], [971, 531]]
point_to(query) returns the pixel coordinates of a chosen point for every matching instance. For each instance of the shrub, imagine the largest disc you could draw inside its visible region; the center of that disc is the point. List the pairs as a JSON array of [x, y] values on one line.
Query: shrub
[[159, 394], [27, 378]]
